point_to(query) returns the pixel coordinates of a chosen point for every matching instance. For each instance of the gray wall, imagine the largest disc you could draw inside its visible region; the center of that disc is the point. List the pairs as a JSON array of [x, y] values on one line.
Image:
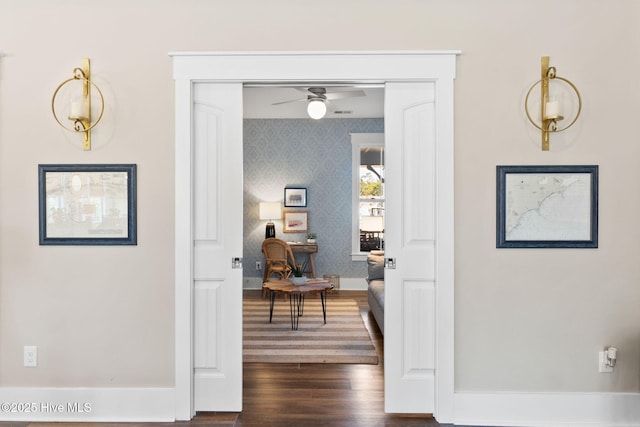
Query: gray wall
[[303, 153]]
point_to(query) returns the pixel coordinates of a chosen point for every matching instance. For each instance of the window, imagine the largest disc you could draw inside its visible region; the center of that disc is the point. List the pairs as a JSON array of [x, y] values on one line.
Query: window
[[367, 157]]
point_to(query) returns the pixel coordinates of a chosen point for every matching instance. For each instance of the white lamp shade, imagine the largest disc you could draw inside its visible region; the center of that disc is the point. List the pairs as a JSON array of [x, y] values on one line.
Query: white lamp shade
[[270, 210], [316, 109]]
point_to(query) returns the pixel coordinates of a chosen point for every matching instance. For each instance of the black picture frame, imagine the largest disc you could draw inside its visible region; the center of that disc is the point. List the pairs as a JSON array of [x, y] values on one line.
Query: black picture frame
[[566, 214], [295, 197], [83, 204]]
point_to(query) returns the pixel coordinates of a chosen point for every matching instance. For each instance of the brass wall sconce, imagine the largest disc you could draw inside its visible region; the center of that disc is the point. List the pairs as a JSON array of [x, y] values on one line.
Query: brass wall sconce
[[551, 103], [79, 105]]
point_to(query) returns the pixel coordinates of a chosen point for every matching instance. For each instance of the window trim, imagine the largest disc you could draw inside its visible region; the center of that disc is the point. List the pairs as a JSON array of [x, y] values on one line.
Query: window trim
[[359, 140]]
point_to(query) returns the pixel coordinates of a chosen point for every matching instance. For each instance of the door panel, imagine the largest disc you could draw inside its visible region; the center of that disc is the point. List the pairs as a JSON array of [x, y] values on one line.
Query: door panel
[[217, 203], [418, 321], [410, 287]]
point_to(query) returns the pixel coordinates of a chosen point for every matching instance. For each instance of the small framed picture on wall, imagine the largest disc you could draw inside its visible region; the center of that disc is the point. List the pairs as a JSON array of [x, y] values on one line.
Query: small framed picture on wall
[[295, 222], [295, 197]]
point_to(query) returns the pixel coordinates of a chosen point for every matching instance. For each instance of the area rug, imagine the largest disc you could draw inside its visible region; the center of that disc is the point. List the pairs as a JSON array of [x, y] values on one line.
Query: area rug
[[344, 339]]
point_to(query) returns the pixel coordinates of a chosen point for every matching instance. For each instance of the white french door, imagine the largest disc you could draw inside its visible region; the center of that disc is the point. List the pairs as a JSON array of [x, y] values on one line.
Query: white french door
[[217, 231]]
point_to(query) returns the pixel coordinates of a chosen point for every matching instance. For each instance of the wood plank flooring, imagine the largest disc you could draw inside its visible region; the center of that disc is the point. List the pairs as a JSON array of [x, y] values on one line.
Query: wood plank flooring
[[303, 395]]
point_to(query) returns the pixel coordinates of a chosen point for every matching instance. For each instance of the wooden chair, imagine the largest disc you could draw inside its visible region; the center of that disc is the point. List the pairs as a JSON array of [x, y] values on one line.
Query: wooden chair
[[278, 259]]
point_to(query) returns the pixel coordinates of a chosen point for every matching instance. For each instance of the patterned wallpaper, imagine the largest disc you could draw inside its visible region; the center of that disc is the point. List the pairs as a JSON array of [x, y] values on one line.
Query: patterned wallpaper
[[315, 154]]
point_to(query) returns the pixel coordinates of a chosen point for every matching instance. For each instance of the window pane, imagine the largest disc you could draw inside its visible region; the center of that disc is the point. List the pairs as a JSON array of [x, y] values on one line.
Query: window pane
[[371, 209], [372, 172]]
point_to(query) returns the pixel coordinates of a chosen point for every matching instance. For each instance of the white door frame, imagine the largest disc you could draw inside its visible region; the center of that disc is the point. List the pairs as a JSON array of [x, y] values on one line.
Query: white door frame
[[326, 67]]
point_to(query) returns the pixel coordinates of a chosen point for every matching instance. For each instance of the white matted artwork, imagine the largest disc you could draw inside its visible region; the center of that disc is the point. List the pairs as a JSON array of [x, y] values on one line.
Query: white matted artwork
[[295, 221], [295, 197]]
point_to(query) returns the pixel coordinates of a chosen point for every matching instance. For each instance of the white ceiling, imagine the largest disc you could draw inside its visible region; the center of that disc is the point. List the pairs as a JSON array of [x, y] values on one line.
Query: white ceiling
[[258, 102]]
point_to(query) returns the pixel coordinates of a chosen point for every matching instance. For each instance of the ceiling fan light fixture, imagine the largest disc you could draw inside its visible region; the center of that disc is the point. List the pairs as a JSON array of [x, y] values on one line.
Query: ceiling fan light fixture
[[316, 109]]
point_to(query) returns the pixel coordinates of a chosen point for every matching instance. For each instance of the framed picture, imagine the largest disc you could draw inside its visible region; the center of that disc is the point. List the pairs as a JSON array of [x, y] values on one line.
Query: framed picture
[[295, 197], [295, 222], [547, 207], [87, 204]]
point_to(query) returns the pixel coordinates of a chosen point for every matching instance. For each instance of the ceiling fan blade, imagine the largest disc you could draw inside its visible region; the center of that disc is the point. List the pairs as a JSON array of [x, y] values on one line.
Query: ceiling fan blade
[[291, 100], [346, 94]]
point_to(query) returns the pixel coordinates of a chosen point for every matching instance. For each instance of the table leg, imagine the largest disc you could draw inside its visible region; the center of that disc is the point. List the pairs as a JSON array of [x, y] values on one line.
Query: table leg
[[323, 298], [294, 309], [272, 301], [301, 305]]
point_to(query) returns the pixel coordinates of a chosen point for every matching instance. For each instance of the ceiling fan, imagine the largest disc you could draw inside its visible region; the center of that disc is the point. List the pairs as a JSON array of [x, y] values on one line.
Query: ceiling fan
[[318, 97]]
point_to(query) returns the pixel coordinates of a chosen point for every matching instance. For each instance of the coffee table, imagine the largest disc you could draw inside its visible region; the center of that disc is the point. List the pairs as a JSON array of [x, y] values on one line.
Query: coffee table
[[296, 296]]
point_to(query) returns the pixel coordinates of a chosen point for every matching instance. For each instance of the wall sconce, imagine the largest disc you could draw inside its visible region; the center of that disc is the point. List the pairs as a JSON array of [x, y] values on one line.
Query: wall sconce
[[551, 103], [78, 102], [270, 211]]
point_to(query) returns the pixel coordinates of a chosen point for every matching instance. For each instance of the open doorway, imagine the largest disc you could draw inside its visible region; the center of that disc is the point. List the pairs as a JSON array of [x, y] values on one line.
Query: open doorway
[[285, 148], [208, 246]]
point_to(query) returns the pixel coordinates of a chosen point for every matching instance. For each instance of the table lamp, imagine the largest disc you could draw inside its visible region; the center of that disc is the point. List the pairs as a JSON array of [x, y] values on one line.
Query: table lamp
[[270, 211]]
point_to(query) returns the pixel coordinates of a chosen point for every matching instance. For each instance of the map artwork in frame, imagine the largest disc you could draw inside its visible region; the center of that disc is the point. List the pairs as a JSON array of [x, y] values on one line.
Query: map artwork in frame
[[547, 207]]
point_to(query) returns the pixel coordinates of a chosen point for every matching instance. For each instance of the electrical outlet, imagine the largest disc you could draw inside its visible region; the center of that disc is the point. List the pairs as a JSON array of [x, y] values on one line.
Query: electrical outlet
[[602, 365], [258, 265], [30, 356]]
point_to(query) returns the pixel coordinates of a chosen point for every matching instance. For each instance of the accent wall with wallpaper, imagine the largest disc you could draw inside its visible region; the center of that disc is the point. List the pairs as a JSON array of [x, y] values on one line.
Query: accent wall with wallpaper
[[315, 154]]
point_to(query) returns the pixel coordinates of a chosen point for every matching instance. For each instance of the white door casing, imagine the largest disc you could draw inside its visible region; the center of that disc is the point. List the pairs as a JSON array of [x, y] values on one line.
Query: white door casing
[[221, 68]]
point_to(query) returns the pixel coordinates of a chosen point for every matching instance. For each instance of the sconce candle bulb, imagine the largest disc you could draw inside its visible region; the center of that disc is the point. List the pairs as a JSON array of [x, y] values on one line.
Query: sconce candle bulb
[[553, 109], [79, 110]]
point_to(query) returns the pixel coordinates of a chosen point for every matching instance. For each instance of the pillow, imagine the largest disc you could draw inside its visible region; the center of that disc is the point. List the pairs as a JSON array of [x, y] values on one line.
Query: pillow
[[375, 266]]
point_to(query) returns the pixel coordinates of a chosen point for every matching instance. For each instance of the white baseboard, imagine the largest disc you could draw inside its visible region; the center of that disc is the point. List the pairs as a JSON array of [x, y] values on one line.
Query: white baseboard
[[346, 283], [547, 409], [87, 404]]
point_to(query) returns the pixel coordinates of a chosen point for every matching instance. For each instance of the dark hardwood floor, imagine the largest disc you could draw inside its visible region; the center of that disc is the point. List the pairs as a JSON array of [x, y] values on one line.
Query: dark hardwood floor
[[304, 395]]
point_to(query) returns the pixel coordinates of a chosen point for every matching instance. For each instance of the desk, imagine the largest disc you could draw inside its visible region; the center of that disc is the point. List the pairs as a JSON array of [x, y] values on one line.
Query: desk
[[306, 248]]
